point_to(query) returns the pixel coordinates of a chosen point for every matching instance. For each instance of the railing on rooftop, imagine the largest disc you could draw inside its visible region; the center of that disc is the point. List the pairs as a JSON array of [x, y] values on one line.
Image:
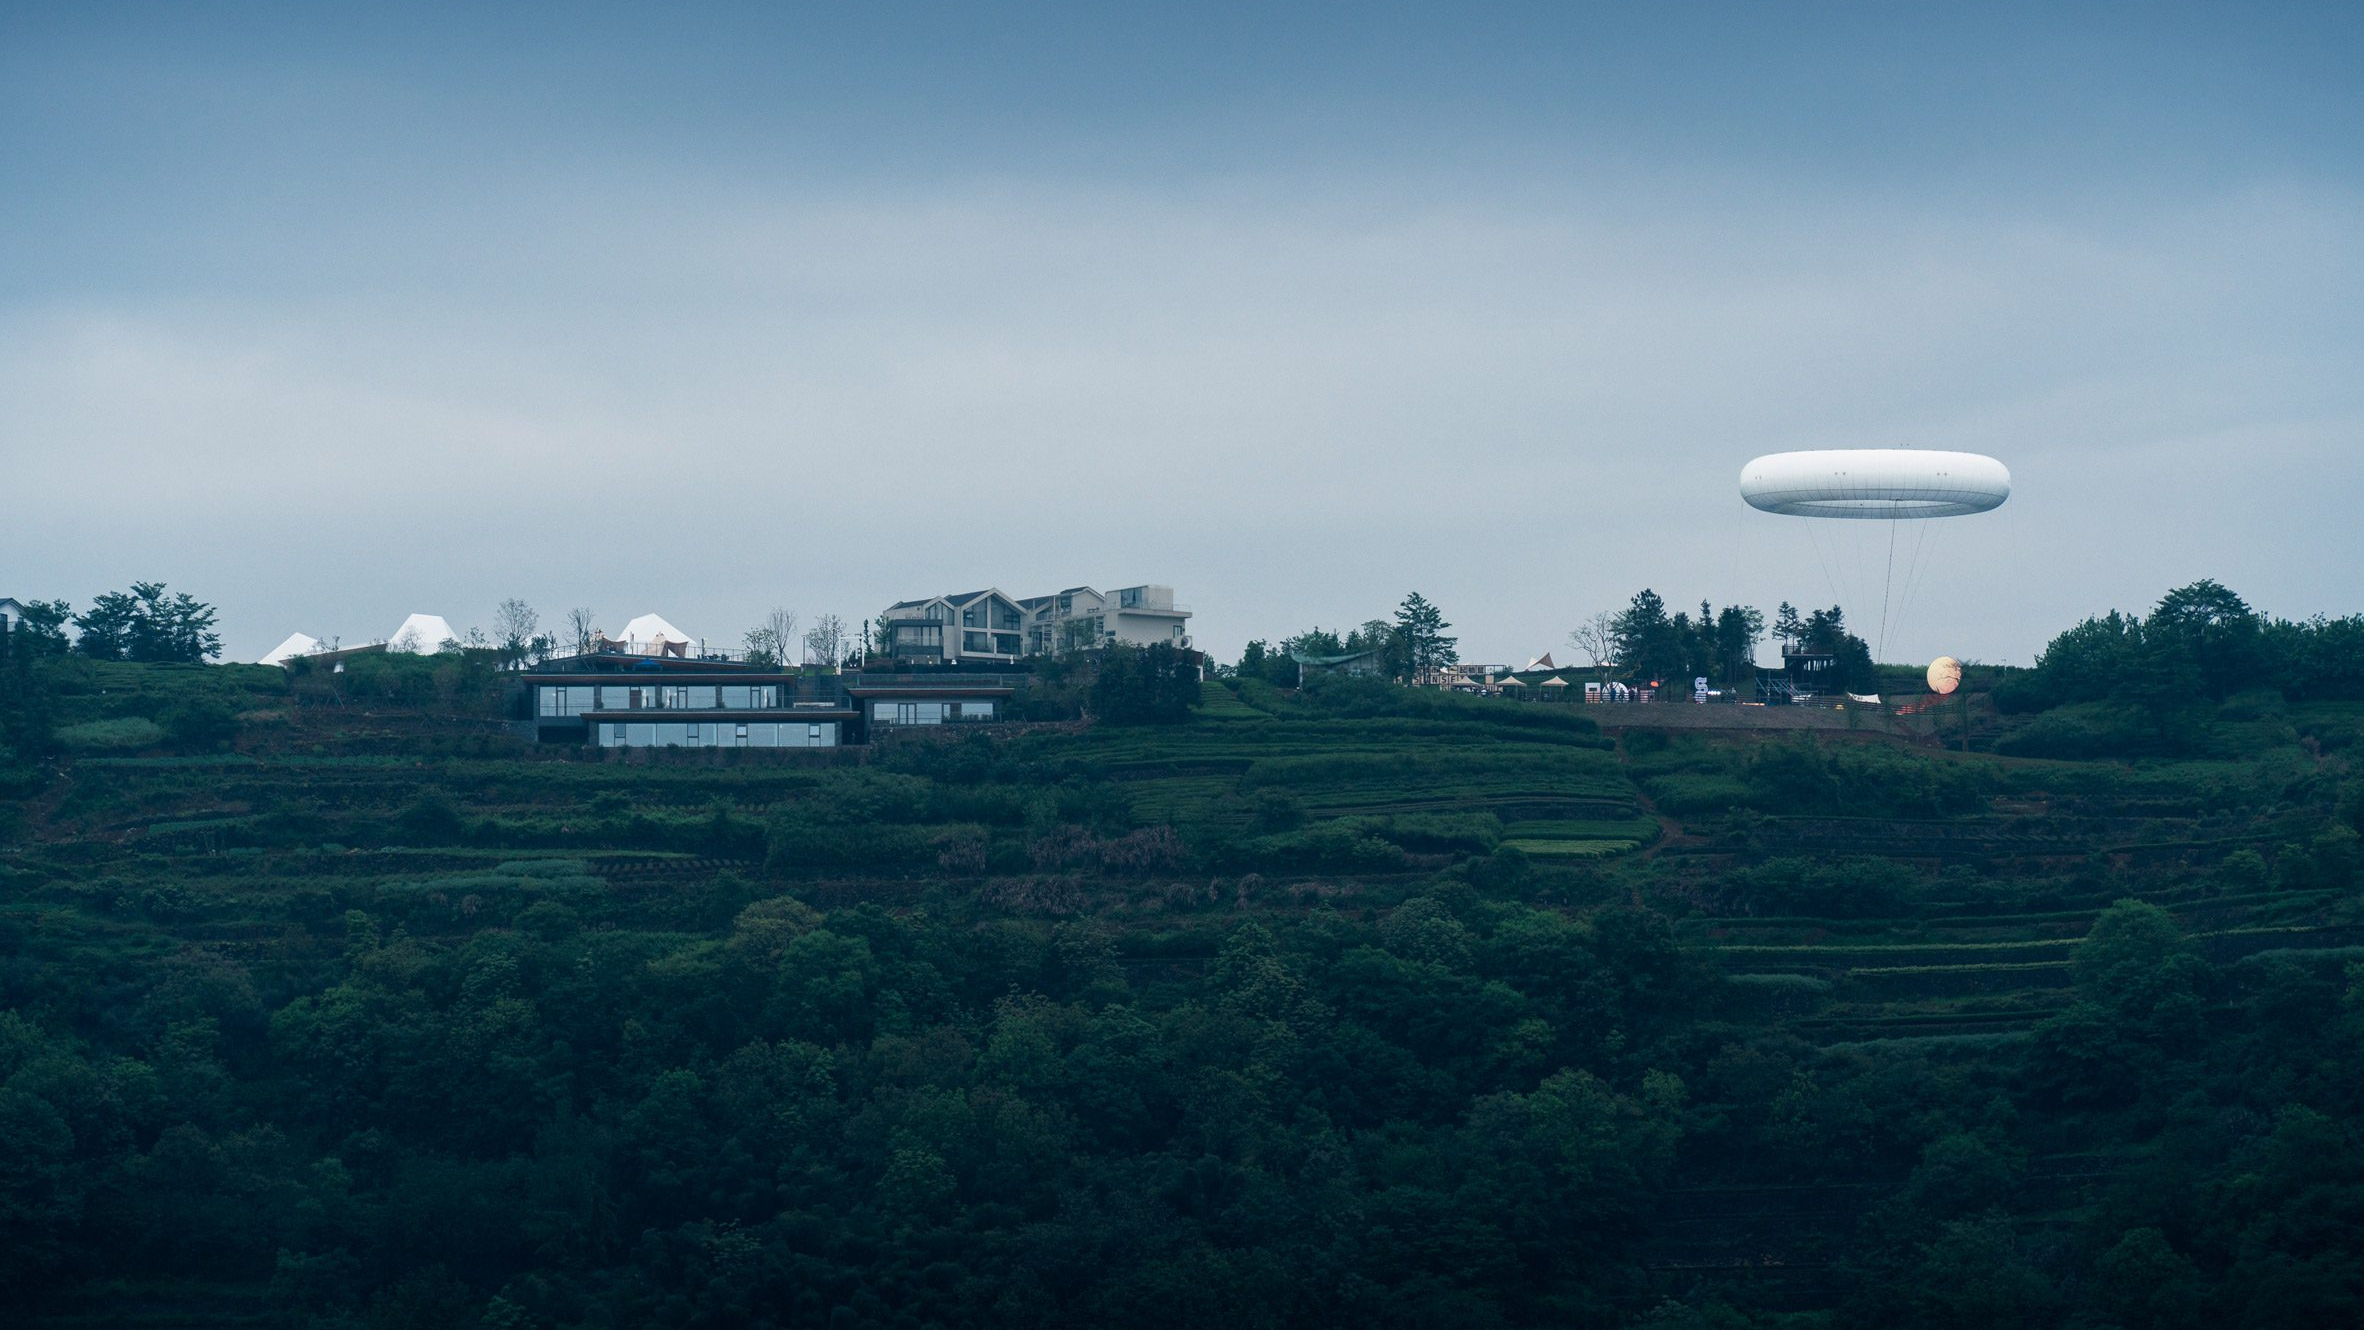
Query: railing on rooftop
[[690, 654], [947, 679]]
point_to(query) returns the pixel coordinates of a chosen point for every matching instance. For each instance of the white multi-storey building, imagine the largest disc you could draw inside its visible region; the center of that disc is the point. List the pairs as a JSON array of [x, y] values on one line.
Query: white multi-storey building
[[970, 625], [990, 626]]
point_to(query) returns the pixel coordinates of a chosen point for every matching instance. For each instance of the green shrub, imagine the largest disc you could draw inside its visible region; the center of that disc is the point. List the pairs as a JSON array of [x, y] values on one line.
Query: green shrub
[[1806, 775], [797, 840], [200, 723], [1824, 888], [432, 816], [122, 734], [1341, 843], [1685, 794], [2086, 730]]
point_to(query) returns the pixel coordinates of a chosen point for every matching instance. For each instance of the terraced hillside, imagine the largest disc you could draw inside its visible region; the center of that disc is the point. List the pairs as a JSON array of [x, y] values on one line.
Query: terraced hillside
[[1352, 1003]]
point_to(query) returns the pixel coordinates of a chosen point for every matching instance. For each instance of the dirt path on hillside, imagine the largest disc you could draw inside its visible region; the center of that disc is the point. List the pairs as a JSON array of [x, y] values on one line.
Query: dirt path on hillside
[[1669, 830]]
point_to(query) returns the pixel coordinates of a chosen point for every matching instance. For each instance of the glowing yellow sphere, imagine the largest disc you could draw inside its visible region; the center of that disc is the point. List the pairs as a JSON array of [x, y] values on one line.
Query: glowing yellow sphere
[[1945, 675]]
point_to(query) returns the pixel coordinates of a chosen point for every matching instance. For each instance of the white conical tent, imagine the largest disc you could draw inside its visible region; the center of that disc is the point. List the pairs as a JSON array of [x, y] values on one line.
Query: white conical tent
[[422, 635], [651, 633], [297, 644]]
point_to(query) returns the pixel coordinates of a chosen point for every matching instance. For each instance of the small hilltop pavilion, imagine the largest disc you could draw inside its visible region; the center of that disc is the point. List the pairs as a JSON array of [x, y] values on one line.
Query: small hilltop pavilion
[[422, 635]]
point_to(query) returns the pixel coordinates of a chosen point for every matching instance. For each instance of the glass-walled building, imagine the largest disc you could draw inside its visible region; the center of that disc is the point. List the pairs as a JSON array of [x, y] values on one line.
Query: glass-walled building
[[690, 709], [915, 712], [890, 700], [576, 699], [702, 705], [717, 734]]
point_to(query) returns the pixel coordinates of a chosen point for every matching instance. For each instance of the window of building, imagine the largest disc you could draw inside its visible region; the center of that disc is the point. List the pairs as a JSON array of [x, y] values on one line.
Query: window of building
[[909, 713], [974, 642]]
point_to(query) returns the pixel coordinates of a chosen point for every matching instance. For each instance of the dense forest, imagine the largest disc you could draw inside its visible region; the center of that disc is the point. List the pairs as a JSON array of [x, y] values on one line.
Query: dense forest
[[326, 1000]]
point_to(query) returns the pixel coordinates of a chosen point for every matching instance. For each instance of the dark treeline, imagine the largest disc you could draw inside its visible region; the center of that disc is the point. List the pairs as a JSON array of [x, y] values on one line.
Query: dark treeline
[[143, 624], [1642, 643], [2202, 643], [1449, 1114], [2131, 684], [1411, 646], [731, 1108]]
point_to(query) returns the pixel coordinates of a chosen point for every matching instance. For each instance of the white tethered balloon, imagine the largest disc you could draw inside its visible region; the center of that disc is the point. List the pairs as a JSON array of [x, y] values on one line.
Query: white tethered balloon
[[1879, 485]]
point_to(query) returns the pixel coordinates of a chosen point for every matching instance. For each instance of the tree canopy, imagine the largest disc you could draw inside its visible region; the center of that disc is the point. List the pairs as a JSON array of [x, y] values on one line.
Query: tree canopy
[[145, 624]]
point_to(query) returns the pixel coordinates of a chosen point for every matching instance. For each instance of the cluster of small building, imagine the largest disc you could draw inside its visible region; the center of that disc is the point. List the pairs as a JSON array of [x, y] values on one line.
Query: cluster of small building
[[940, 660], [1802, 677]]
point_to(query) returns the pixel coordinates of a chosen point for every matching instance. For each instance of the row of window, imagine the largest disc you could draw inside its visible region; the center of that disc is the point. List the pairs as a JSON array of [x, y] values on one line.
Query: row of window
[[973, 617], [576, 699], [928, 713], [717, 734], [979, 643]]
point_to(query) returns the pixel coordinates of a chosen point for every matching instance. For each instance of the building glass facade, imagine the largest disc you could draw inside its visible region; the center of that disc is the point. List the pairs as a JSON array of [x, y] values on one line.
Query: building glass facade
[[929, 713], [665, 713], [717, 734], [584, 699]]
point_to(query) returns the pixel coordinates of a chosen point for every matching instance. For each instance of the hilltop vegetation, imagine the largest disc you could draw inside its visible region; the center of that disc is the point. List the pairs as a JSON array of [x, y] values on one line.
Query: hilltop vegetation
[[331, 1002]]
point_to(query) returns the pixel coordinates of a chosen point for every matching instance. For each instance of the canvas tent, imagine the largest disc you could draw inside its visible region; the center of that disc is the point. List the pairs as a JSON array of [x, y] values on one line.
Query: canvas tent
[[422, 635], [297, 644], [651, 635]]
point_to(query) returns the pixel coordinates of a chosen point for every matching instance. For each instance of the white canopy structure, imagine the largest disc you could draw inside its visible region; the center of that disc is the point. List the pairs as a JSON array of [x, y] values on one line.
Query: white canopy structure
[[652, 635], [297, 644], [422, 635], [1879, 484]]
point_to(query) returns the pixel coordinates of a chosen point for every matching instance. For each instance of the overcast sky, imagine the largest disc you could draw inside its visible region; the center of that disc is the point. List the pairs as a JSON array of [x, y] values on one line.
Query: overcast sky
[[328, 314]]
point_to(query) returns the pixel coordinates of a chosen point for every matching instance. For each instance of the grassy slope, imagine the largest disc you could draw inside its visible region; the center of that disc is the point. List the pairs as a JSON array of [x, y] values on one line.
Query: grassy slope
[[125, 859]]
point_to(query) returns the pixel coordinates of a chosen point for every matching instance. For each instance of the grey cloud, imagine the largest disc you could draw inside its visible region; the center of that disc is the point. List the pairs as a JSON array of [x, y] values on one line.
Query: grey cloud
[[1293, 399]]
